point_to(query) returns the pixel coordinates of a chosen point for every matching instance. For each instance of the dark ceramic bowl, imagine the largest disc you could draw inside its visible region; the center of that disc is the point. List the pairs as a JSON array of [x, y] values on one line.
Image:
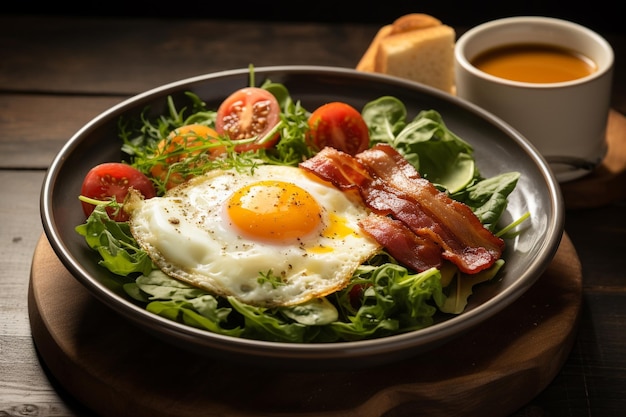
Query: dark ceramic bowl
[[498, 148]]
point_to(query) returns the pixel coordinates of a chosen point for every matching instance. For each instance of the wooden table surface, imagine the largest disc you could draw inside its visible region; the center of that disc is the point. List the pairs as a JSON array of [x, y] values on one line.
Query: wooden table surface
[[57, 73]]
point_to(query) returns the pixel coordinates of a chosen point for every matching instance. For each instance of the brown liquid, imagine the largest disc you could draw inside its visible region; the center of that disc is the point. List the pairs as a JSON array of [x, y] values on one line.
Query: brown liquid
[[534, 63]]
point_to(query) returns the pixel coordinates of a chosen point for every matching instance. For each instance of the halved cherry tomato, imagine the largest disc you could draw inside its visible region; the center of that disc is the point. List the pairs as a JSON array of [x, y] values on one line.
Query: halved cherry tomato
[[340, 126], [113, 179], [176, 147], [247, 113]]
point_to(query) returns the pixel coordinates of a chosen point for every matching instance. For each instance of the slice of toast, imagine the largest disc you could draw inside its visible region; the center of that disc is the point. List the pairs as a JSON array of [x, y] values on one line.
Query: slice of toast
[[416, 47]]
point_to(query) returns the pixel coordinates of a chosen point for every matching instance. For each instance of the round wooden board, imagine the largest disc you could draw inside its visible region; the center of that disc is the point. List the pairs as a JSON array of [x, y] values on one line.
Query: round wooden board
[[118, 370]]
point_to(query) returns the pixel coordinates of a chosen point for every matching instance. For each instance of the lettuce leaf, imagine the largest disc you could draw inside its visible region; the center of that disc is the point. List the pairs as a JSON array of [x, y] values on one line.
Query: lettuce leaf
[[115, 244]]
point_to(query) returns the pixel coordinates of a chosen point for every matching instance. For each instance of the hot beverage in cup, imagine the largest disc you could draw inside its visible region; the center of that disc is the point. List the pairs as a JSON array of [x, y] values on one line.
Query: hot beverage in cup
[[535, 63], [550, 79]]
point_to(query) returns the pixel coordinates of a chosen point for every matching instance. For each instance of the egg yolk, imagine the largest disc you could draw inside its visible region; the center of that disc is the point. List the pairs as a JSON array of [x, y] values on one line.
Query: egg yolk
[[336, 229], [273, 210]]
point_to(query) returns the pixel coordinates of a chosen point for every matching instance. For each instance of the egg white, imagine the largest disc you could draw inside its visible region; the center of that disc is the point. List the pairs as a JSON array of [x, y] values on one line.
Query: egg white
[[189, 236]]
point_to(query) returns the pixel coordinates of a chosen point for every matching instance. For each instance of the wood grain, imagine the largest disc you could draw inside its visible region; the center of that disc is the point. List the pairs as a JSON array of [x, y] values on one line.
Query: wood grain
[[491, 371], [24, 387], [59, 72], [135, 55], [41, 122]]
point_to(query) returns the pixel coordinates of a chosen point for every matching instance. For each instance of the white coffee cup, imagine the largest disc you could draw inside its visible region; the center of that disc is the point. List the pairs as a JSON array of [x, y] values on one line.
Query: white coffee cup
[[565, 121]]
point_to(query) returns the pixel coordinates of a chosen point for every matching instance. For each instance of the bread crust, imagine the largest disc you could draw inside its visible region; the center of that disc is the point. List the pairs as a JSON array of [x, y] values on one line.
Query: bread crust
[[413, 21], [368, 59]]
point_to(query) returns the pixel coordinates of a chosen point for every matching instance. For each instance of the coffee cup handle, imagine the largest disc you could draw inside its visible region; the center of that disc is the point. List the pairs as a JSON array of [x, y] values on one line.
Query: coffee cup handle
[[571, 163]]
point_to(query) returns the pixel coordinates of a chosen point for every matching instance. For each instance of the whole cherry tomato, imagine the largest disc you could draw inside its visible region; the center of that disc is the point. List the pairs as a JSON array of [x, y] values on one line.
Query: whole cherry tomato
[[340, 126]]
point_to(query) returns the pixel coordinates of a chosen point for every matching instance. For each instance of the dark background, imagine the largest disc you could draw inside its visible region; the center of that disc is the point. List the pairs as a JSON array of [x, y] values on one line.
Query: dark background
[[600, 15]]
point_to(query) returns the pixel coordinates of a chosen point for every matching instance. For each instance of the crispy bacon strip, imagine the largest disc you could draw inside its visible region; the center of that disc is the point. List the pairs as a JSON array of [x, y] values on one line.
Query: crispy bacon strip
[[390, 186], [338, 168], [416, 252], [430, 212]]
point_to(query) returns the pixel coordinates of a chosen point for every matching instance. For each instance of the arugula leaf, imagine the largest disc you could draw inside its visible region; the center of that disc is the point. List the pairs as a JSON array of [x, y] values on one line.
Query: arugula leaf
[[262, 323], [292, 148], [394, 300]]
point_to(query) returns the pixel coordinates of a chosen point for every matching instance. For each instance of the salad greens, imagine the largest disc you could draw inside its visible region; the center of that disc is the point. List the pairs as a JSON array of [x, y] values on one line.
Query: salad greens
[[440, 156], [383, 297], [141, 138]]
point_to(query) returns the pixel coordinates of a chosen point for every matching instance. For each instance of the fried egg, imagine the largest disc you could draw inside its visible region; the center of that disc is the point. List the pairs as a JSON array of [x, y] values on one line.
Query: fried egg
[[278, 236]]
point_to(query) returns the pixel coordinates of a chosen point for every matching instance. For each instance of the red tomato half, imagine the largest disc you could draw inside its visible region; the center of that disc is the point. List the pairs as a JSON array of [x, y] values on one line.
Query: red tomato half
[[246, 113], [340, 126], [113, 179]]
